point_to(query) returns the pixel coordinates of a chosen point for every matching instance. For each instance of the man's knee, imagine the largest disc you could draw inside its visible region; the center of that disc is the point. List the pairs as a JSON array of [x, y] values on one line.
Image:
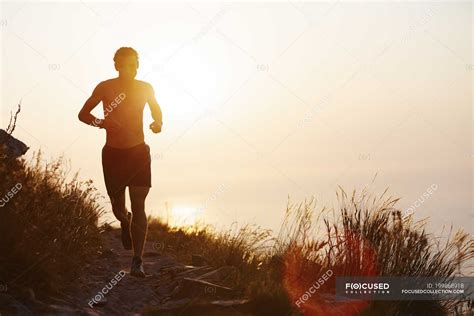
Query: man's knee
[[139, 216], [138, 194], [118, 206], [118, 199]]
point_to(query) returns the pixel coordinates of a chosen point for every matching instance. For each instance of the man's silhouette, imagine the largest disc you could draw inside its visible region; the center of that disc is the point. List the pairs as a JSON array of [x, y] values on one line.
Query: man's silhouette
[[126, 157]]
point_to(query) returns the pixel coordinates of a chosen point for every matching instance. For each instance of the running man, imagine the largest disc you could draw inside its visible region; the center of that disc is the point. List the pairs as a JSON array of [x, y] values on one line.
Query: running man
[[126, 157]]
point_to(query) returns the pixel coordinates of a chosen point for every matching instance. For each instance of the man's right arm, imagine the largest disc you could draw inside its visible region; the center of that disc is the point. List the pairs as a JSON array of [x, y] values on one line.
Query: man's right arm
[[85, 113]]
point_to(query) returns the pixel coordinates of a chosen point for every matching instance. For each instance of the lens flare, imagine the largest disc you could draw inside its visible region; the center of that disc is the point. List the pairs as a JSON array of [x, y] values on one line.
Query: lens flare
[[311, 284]]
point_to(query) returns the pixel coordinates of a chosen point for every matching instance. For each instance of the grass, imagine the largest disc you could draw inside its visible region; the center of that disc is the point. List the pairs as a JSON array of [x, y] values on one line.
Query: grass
[[48, 225], [364, 235]]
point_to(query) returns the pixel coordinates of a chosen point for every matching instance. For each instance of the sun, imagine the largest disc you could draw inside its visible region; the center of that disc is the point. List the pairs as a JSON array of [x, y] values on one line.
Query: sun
[[184, 215]]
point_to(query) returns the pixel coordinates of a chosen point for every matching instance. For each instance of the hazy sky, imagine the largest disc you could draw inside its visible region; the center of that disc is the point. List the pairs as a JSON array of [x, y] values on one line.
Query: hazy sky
[[261, 101]]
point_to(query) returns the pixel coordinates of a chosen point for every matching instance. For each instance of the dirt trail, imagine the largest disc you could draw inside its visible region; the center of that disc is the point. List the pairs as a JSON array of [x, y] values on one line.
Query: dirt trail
[[171, 288], [109, 273]]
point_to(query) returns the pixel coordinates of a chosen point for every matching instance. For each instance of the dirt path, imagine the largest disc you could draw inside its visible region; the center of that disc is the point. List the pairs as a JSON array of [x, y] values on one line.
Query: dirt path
[[171, 288], [108, 274]]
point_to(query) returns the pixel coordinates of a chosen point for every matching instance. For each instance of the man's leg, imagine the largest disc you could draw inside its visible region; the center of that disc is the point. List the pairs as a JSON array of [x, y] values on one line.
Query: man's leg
[[139, 220], [121, 213], [118, 206]]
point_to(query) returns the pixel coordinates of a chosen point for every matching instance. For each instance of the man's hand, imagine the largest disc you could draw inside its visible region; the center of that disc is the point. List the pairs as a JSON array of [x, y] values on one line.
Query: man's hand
[[155, 111], [155, 127]]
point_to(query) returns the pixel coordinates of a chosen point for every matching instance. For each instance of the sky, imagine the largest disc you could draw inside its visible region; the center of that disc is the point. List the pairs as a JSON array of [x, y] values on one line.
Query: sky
[[262, 102]]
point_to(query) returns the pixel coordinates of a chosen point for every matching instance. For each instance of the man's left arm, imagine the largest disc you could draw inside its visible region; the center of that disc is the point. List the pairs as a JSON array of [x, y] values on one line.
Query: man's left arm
[[155, 111]]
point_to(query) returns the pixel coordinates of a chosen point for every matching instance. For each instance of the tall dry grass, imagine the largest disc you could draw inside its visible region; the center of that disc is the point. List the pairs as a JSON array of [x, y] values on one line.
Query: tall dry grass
[[364, 235], [48, 227]]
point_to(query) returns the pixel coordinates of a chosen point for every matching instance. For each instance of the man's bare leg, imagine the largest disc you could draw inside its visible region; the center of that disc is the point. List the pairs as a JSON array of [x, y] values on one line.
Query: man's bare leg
[[121, 213], [139, 219], [118, 206]]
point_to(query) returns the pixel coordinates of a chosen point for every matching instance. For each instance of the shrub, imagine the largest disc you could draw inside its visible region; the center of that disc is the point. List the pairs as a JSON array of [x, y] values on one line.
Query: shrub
[[364, 235], [48, 224]]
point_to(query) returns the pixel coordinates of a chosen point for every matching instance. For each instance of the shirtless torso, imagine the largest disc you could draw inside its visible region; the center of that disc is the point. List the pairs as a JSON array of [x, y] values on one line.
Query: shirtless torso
[[123, 104]]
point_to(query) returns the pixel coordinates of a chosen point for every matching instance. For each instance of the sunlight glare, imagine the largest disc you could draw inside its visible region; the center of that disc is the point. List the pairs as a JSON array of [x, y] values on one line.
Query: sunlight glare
[[184, 216]]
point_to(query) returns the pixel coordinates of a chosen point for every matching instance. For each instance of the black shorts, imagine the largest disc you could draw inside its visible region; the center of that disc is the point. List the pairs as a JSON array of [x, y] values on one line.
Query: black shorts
[[126, 167]]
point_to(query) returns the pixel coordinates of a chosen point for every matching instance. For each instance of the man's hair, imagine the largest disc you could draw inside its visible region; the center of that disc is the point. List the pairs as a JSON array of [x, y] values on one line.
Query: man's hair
[[125, 52]]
